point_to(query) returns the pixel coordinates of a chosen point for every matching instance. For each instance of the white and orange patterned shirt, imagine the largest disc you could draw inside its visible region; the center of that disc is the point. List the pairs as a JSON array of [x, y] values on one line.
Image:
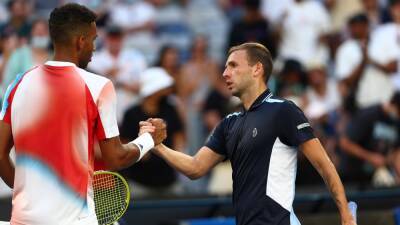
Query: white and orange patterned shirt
[[57, 111]]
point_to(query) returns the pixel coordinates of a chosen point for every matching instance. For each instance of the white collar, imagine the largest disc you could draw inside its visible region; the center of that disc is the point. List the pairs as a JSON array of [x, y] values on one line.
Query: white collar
[[59, 63]]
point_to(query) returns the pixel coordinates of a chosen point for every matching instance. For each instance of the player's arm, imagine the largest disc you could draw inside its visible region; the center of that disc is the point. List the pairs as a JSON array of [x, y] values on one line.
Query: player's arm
[[118, 156], [6, 165], [193, 167], [318, 157]]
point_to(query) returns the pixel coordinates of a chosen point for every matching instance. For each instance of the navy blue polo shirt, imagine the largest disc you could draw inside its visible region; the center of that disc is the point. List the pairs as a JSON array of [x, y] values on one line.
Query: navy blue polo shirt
[[261, 145]]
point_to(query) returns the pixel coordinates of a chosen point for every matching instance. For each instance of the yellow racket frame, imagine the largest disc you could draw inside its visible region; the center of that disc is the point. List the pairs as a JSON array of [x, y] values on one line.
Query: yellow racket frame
[[128, 196]]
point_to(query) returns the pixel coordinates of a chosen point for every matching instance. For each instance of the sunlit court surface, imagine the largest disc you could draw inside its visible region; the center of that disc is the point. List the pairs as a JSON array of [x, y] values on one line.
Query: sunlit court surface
[[273, 112]]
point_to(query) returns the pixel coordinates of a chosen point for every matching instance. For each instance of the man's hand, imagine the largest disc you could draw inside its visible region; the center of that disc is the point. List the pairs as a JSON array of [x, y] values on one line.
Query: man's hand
[[156, 127], [160, 132], [146, 127]]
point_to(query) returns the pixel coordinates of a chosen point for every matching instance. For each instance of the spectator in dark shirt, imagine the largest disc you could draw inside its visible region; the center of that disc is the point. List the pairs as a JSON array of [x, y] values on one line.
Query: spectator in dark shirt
[[19, 19], [152, 176], [253, 27], [372, 142]]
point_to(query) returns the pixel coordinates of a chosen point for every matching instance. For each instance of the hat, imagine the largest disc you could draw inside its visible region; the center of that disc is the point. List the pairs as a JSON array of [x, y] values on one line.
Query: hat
[[114, 30], [153, 80], [358, 18]]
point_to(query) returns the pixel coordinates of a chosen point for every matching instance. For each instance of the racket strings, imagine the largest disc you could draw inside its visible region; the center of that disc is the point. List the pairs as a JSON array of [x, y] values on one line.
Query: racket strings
[[110, 197]]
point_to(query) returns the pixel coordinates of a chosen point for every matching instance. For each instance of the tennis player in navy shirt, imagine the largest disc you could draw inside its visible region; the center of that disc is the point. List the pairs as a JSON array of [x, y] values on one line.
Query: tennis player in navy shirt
[[262, 143]]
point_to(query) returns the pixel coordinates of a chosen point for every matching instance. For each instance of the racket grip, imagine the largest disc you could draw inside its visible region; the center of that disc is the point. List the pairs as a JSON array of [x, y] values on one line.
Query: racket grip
[[353, 209]]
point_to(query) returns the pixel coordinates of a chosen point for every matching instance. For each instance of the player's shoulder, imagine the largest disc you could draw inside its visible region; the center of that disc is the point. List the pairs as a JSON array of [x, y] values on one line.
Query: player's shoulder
[[230, 118], [233, 115], [92, 78], [280, 104], [94, 82]]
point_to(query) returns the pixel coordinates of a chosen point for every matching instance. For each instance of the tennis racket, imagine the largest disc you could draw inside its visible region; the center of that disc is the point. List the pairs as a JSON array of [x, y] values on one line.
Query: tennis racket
[[353, 209], [111, 196]]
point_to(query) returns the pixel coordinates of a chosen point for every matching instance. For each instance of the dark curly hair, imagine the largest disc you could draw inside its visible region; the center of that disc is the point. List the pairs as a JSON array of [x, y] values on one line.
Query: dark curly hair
[[68, 21]]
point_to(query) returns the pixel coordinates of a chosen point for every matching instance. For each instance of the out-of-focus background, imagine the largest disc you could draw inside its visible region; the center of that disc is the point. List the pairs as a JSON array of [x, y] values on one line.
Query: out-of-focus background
[[338, 60]]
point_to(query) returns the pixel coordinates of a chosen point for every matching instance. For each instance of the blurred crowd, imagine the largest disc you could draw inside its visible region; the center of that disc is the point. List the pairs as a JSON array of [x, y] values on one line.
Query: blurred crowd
[[338, 60]]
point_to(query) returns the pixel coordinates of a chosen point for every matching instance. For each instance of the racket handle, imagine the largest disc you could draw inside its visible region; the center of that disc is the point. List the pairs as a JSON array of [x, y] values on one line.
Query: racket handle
[[353, 209]]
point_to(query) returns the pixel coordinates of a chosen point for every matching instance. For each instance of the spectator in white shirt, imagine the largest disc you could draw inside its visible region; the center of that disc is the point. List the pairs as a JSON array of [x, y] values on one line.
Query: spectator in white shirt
[[378, 85], [303, 29], [352, 60]]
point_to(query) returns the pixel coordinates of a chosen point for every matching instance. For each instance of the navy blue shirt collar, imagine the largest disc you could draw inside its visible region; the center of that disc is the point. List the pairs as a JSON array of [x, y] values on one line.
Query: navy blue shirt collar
[[259, 100]]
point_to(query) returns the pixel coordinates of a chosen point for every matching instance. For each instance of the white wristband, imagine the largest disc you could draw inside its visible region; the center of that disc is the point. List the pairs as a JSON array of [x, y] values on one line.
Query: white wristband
[[144, 143]]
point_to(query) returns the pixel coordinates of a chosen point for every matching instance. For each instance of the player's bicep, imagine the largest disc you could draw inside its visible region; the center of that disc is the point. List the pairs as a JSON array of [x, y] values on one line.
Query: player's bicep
[[206, 159], [315, 153], [294, 126], [107, 126], [6, 139]]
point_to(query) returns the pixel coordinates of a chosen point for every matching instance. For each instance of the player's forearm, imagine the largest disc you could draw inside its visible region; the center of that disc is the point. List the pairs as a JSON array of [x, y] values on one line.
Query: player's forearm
[[185, 164], [335, 186], [7, 171], [118, 156], [128, 155]]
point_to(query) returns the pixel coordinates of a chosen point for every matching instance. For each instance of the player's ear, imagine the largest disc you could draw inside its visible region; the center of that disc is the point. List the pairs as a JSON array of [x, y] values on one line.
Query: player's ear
[[80, 42], [258, 69]]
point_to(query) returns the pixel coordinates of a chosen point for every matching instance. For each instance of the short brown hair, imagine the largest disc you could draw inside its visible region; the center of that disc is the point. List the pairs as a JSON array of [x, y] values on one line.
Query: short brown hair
[[256, 52]]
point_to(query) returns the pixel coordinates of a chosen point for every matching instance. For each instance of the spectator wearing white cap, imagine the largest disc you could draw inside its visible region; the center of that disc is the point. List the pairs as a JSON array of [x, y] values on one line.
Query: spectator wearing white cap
[[152, 176]]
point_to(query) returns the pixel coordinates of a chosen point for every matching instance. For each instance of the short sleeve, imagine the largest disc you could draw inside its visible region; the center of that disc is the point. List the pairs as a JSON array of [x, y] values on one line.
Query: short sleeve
[[107, 126], [216, 140], [294, 126], [5, 114]]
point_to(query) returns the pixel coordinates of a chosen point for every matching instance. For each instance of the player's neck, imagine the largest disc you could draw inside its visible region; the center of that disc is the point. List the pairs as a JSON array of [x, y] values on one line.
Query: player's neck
[[65, 56], [251, 95]]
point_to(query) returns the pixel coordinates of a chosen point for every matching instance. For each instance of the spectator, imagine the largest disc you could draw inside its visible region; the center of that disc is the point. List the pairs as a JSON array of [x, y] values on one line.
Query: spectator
[[20, 11], [253, 27], [321, 102], [123, 67], [137, 18], [375, 13], [341, 11], [373, 139], [383, 53], [8, 43], [352, 60], [196, 79], [36, 52], [292, 81], [211, 22], [218, 104], [171, 27], [168, 59], [152, 176], [275, 10], [302, 32]]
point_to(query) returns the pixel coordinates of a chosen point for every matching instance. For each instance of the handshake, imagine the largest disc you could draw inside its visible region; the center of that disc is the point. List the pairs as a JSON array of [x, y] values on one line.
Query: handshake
[[156, 127]]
